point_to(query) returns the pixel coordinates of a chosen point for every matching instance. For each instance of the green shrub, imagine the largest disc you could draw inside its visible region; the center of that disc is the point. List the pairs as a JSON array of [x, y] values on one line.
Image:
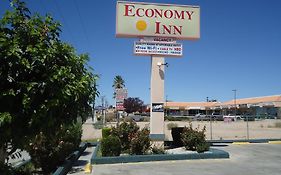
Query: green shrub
[[140, 142], [157, 150], [5, 169], [191, 138], [125, 132], [111, 146], [201, 147], [171, 125], [105, 132], [9, 170], [49, 150]]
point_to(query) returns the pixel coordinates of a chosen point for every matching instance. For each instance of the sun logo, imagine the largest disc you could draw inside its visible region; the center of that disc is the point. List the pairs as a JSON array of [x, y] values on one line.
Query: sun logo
[[141, 25]]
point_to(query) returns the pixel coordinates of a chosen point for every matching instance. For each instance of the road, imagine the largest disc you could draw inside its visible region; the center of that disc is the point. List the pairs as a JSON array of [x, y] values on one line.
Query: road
[[251, 159]]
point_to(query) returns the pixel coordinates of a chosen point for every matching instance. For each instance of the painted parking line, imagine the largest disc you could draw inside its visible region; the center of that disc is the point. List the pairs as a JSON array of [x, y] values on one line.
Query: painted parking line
[[274, 142], [240, 143]]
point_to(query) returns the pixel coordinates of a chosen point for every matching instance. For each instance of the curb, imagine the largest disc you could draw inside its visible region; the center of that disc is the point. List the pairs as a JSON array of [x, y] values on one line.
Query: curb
[[245, 140], [211, 154], [274, 142], [65, 168], [241, 143]]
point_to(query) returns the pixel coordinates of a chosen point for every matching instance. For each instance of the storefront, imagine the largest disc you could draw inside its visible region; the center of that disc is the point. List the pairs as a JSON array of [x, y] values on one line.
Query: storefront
[[260, 107]]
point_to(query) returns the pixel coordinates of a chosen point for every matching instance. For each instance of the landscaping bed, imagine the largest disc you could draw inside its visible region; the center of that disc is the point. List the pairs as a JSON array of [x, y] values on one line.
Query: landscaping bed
[[128, 143], [211, 154]]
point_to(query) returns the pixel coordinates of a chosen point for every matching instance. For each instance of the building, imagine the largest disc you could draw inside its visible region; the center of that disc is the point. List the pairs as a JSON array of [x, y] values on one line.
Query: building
[[260, 107]]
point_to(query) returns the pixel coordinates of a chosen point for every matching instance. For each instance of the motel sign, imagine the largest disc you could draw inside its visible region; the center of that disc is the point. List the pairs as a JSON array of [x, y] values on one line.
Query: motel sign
[[158, 27], [148, 19]]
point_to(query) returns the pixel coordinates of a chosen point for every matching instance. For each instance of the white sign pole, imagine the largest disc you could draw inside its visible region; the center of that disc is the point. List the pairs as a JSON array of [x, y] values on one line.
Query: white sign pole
[[157, 101]]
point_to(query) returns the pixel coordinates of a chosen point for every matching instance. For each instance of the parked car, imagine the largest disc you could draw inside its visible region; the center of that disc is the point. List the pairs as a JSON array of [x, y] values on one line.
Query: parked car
[[232, 117], [200, 116], [136, 117], [217, 116]]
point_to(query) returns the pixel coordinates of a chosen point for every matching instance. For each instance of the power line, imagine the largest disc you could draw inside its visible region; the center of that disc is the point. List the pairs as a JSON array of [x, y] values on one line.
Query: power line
[[63, 19]]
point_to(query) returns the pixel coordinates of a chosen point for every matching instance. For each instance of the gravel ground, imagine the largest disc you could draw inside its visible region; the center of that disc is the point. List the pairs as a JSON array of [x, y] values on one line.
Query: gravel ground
[[221, 130]]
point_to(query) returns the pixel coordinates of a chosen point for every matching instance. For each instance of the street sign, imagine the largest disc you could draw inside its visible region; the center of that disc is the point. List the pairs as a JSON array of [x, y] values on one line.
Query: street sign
[[156, 48], [120, 95], [120, 105]]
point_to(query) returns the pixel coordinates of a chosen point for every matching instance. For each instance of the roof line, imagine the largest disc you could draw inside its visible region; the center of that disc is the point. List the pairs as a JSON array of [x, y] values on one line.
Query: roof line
[[257, 97]]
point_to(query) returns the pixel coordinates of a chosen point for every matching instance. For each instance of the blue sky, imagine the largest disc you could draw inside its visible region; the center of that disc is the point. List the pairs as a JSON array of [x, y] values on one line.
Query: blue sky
[[239, 48]]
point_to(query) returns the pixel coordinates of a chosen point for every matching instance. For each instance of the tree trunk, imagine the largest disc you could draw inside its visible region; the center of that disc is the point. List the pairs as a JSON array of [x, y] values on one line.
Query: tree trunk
[[3, 155]]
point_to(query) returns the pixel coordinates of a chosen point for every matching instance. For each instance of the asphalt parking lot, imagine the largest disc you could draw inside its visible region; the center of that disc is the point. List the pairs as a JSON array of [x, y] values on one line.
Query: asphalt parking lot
[[251, 159]]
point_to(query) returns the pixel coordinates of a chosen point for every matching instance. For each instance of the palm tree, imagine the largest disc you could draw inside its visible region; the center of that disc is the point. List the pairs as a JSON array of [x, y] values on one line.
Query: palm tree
[[118, 83]]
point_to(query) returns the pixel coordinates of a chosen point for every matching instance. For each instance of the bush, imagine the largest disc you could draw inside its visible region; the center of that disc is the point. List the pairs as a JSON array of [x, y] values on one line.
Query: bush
[[111, 146], [157, 150], [5, 169], [192, 138], [8, 170], [49, 150], [125, 132], [201, 147], [171, 125], [105, 132], [140, 143]]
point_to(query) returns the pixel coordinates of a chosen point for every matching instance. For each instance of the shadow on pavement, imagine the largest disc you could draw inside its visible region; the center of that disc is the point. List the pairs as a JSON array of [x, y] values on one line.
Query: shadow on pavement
[[219, 145], [75, 170], [85, 153], [80, 163]]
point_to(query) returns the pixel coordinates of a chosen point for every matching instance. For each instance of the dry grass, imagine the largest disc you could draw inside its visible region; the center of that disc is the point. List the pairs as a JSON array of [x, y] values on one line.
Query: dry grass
[[275, 125]]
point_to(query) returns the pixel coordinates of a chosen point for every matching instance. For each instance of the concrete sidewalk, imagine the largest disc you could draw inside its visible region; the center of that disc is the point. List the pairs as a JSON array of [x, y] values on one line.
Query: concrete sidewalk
[[89, 132]]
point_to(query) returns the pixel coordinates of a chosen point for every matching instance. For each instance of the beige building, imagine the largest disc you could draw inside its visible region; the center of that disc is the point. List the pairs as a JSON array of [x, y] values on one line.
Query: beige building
[[260, 107]]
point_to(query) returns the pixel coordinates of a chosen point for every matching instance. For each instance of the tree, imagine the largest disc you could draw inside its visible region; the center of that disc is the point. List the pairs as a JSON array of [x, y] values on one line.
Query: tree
[[133, 105], [118, 83], [44, 83]]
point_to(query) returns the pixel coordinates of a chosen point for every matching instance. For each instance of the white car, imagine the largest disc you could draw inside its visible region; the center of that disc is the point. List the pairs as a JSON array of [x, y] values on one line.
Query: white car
[[232, 117], [199, 116]]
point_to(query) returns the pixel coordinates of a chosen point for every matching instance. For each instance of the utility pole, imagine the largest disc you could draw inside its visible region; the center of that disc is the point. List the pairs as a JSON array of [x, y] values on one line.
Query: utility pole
[[211, 127], [94, 112], [166, 109], [235, 108], [103, 106]]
